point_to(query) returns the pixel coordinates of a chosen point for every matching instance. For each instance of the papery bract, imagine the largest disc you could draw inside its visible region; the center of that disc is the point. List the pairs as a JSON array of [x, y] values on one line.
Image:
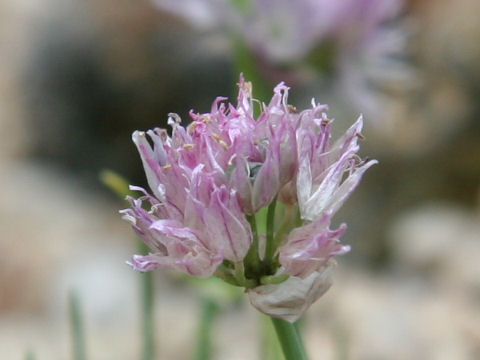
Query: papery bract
[[290, 299]]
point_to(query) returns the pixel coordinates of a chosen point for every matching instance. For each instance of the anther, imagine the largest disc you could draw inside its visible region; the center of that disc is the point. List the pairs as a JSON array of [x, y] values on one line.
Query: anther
[[223, 144]]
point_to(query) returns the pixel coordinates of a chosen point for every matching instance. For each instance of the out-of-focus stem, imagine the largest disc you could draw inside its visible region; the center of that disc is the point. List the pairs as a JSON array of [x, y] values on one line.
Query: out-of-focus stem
[[242, 5], [116, 183], [76, 328], [119, 185], [204, 338], [245, 62], [30, 355]]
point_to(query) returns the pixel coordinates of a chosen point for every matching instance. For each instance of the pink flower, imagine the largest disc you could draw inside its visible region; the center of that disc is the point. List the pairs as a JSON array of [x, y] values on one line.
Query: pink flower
[[209, 179]]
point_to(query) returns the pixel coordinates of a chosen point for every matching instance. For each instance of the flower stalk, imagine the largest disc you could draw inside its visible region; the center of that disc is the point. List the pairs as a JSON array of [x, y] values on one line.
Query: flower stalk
[[252, 260], [289, 339], [286, 225], [270, 245]]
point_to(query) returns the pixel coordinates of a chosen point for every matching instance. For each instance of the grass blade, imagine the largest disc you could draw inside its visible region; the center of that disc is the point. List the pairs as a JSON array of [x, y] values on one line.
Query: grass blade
[[77, 329]]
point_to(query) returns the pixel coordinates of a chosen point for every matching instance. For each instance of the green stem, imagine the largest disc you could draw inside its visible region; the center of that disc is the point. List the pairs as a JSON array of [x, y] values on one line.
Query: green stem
[[225, 274], [252, 259], [270, 246], [289, 340], [285, 227], [269, 346], [298, 219], [273, 279], [148, 328], [240, 276]]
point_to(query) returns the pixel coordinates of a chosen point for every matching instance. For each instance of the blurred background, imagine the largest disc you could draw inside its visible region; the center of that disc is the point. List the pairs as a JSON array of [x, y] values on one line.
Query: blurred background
[[77, 77]]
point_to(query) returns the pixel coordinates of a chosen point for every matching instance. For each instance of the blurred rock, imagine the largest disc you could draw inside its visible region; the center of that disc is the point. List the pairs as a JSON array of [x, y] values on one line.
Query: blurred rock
[[441, 242], [445, 51], [56, 238], [15, 30], [392, 316]]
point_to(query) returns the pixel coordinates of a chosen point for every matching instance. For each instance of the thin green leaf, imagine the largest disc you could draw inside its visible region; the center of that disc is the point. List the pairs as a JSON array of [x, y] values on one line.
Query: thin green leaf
[[76, 328], [209, 311]]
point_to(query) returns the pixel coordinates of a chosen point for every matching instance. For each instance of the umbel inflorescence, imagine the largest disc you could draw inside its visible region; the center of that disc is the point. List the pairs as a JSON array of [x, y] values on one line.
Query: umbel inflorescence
[[210, 180]]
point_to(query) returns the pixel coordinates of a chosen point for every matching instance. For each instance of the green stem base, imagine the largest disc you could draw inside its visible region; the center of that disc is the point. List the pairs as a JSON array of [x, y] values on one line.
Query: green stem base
[[289, 339]]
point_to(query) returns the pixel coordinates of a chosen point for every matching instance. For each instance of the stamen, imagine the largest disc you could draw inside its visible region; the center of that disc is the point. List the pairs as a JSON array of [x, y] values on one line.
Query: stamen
[[205, 118], [325, 120], [191, 128], [173, 119], [223, 144], [360, 136]]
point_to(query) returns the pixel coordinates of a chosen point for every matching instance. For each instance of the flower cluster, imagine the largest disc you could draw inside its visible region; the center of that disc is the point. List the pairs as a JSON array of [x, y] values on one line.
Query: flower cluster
[[211, 180], [286, 30], [365, 42]]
